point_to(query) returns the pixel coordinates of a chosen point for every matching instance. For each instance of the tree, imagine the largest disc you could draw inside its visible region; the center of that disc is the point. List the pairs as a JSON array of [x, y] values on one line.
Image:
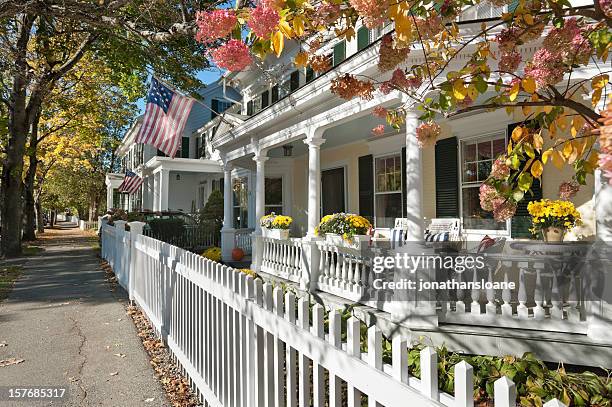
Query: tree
[[42, 41], [461, 69]]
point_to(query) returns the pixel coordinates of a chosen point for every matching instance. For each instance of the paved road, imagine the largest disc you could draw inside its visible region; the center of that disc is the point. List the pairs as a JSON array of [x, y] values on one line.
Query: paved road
[[67, 325]]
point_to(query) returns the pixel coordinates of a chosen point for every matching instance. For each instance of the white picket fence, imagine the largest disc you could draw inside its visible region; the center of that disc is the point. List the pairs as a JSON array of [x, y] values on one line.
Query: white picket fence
[[244, 343], [88, 225]]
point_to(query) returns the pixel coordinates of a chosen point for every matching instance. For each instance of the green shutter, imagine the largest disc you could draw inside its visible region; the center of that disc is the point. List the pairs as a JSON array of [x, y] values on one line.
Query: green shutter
[[363, 38], [294, 81], [214, 106], [521, 222], [250, 108], [185, 147], [275, 94], [339, 52], [265, 99], [366, 187], [447, 178], [309, 74]]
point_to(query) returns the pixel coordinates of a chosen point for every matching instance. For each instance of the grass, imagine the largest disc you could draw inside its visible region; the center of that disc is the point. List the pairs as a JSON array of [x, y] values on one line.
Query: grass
[[8, 275], [31, 250]]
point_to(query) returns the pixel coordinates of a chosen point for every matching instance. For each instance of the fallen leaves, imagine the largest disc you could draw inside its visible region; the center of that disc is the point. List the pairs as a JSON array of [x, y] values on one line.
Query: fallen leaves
[[119, 355], [10, 361], [114, 373]]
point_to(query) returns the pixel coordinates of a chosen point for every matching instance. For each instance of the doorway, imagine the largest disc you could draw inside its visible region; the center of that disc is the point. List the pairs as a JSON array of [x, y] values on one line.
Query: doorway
[[332, 191]]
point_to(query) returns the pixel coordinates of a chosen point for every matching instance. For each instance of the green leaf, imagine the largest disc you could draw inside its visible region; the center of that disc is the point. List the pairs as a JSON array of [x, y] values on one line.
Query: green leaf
[[525, 181]]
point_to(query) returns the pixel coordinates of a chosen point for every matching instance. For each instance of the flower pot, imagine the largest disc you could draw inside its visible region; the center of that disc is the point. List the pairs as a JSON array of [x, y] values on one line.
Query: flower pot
[[553, 234], [281, 234], [355, 242]]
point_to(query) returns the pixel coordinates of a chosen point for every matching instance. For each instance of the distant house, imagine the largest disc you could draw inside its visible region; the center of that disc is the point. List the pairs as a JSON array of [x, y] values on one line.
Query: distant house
[[182, 183]]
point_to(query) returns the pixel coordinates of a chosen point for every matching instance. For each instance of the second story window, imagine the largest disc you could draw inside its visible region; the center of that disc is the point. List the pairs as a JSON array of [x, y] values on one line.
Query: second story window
[[185, 147], [265, 99], [339, 54], [218, 106]]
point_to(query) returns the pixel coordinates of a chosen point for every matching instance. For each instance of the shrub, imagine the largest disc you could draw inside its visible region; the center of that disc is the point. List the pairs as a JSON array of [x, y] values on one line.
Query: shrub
[[167, 230], [213, 211]]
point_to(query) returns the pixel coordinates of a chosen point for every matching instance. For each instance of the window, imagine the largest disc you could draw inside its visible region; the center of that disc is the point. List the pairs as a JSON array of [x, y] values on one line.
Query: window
[[241, 203], [218, 106], [274, 195], [477, 156], [116, 198], [363, 38], [201, 196], [185, 147], [309, 74], [339, 53], [265, 99], [388, 190], [274, 93], [294, 81]]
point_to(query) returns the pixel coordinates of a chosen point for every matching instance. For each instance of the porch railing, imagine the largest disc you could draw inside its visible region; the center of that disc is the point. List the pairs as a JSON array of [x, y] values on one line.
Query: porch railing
[[191, 237], [242, 239], [282, 258], [244, 343]]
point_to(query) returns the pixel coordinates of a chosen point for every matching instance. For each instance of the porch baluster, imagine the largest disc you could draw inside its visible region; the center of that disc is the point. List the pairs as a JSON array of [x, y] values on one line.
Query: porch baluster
[[538, 295], [475, 306], [522, 310], [506, 307]]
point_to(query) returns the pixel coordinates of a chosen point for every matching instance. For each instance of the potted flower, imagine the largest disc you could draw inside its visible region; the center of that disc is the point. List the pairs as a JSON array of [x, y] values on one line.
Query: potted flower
[[553, 218], [275, 226], [345, 229]]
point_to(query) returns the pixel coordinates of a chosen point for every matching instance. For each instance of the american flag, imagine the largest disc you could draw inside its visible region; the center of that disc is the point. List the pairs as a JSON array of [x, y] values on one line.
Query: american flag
[[164, 118], [131, 183]]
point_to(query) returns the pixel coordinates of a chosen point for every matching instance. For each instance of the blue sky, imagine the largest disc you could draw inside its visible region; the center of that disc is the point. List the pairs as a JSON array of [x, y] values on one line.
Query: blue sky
[[206, 76]]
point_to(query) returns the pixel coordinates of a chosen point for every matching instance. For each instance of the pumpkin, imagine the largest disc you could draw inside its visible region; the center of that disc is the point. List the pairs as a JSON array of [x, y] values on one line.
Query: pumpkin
[[237, 254]]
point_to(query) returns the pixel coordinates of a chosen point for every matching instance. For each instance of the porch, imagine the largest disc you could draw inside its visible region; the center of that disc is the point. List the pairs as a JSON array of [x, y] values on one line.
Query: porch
[[320, 165]]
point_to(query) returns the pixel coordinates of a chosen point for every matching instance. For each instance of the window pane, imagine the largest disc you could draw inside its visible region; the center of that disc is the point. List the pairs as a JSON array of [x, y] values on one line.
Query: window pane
[[388, 207], [274, 191], [484, 169], [469, 172], [474, 217], [499, 147], [469, 152], [484, 150]]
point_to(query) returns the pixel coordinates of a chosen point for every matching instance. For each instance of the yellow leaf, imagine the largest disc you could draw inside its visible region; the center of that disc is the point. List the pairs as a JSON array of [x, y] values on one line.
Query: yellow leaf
[[558, 160], [298, 25], [526, 110], [538, 141], [537, 169], [548, 109], [600, 81], [301, 59], [546, 155], [529, 85], [528, 19], [284, 27], [472, 92], [593, 158], [568, 148], [596, 97], [514, 92], [459, 90], [278, 42], [510, 148], [517, 133]]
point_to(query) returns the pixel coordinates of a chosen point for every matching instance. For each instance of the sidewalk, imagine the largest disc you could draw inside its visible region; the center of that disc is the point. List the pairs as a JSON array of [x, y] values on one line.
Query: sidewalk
[[71, 331]]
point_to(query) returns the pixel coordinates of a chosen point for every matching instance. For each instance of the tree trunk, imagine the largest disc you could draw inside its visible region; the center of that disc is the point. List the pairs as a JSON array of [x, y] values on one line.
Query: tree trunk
[[29, 208], [40, 222]]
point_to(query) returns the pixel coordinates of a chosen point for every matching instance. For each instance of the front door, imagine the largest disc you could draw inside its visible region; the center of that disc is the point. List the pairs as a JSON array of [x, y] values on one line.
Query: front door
[[332, 191]]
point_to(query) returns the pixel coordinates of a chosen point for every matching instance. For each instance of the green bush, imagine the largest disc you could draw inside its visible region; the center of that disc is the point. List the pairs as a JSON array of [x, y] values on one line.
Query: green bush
[[167, 230], [213, 211]]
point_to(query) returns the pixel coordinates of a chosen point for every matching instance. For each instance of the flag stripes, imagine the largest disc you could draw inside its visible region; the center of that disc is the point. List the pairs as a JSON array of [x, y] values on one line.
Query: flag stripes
[[131, 183]]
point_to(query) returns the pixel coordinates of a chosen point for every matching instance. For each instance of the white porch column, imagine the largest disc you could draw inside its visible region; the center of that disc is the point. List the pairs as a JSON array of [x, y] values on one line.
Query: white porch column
[[109, 196], [414, 179], [164, 184], [314, 182], [227, 232], [260, 189]]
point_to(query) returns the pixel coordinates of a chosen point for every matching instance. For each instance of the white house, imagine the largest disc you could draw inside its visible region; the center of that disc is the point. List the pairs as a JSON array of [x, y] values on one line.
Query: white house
[[182, 183], [297, 149]]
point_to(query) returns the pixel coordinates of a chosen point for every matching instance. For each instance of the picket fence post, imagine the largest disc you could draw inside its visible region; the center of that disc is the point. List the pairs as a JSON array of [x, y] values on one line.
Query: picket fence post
[[135, 230], [119, 249]]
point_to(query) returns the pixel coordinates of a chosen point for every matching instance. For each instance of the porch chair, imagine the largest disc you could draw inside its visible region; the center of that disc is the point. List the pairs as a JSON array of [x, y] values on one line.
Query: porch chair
[[445, 233]]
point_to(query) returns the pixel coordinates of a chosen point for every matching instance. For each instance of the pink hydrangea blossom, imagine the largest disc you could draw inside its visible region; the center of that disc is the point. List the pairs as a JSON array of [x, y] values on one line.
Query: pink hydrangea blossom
[[215, 24], [380, 112], [568, 190], [263, 20], [569, 42], [605, 164], [379, 130], [372, 11], [503, 209], [487, 194], [510, 60], [233, 56], [429, 27], [546, 68], [389, 55], [606, 7], [325, 14], [507, 39], [500, 169], [427, 133]]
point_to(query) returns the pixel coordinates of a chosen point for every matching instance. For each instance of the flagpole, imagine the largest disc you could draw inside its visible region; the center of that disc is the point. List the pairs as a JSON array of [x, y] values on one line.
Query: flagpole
[[220, 115]]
